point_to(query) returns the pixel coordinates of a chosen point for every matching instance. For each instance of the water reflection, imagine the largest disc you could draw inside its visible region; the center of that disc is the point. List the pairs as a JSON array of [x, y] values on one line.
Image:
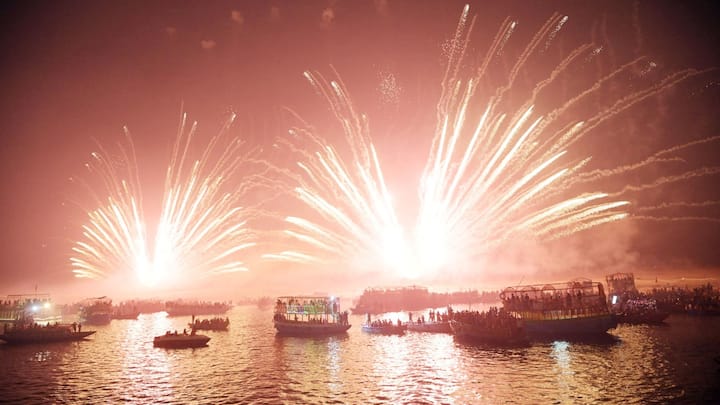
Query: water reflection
[[562, 367], [146, 367], [250, 364]]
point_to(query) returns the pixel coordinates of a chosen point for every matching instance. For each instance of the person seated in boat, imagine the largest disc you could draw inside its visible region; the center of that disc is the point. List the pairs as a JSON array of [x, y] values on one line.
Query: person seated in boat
[[184, 331]]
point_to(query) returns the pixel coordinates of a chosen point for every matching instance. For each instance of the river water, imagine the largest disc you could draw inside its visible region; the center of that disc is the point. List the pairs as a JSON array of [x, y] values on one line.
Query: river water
[[672, 363]]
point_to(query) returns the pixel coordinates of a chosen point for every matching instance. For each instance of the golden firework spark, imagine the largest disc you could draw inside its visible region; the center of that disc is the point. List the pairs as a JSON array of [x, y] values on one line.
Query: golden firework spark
[[497, 170], [202, 228]]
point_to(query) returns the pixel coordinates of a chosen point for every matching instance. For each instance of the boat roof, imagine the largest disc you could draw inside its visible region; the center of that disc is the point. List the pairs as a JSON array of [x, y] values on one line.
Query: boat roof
[[568, 285]]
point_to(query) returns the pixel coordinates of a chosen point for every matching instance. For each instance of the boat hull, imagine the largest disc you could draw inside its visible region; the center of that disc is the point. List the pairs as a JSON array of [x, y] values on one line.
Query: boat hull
[[576, 326], [430, 327], [97, 319], [43, 336], [292, 328], [180, 341], [642, 318], [497, 336]]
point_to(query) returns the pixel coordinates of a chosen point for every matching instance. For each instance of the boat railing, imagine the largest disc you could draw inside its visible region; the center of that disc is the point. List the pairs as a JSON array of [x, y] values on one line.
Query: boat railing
[[560, 314]]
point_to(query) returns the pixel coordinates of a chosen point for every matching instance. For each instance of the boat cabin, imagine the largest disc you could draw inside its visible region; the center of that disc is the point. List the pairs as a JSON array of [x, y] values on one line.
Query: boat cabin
[[309, 309]]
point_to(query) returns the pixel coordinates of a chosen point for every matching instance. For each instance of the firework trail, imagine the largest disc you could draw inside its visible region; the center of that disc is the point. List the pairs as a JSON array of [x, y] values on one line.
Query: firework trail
[[501, 174], [202, 227], [497, 171], [349, 194]]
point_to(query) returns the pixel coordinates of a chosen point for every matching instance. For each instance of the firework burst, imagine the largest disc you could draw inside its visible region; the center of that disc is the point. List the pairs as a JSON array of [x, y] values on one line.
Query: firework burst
[[505, 174], [202, 227], [497, 171], [356, 218]]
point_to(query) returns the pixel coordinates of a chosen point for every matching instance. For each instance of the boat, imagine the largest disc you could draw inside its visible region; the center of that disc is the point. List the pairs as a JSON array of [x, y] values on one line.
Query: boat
[[378, 300], [180, 340], [309, 316], [438, 322], [38, 307], [125, 315], [639, 311], [217, 324], [35, 333], [187, 308], [431, 327], [495, 326], [384, 328], [629, 305], [96, 311], [125, 311], [576, 308]]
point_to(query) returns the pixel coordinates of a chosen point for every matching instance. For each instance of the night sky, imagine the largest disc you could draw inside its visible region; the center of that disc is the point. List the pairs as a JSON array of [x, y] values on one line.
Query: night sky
[[78, 71]]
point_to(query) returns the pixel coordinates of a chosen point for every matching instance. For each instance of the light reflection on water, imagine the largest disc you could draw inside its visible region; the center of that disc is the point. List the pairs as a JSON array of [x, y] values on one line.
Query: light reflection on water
[[249, 363]]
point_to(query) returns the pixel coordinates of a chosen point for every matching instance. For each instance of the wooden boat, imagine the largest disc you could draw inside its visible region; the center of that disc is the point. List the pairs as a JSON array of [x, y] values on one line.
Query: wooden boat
[[309, 316], [385, 329], [186, 308], [431, 327], [96, 311], [504, 335], [180, 341], [43, 334], [576, 308], [217, 324]]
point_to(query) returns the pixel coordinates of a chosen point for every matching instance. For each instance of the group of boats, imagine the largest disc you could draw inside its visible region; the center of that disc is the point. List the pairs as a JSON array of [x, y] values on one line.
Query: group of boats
[[576, 308], [30, 318]]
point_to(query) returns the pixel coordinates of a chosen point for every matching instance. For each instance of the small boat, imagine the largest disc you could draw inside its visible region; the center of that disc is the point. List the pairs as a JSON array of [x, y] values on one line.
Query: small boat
[[43, 334], [309, 316], [630, 306], [185, 308], [180, 340], [431, 327], [216, 324], [385, 329], [96, 311]]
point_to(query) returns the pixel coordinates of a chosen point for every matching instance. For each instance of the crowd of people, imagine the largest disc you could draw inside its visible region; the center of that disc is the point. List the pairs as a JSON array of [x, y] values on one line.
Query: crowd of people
[[433, 316], [704, 299], [570, 301], [492, 318], [216, 323]]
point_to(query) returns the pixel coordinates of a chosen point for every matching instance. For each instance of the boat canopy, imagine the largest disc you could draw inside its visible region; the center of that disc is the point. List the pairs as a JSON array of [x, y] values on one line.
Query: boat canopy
[[586, 286], [307, 305]]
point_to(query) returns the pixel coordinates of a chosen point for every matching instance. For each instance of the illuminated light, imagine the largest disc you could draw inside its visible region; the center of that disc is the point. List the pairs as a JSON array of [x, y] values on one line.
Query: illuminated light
[[202, 228], [35, 308], [614, 299], [47, 305], [496, 171]]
